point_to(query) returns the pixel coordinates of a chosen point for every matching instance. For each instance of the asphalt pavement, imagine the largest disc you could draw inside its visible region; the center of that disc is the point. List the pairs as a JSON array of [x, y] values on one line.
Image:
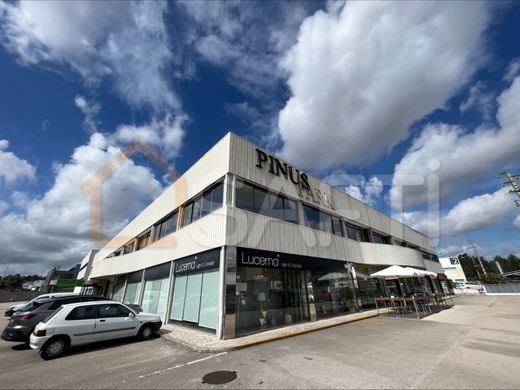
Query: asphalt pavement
[[474, 345]]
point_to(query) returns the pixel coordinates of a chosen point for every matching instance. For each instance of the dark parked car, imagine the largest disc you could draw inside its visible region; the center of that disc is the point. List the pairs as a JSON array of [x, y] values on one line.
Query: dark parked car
[[22, 323], [12, 309]]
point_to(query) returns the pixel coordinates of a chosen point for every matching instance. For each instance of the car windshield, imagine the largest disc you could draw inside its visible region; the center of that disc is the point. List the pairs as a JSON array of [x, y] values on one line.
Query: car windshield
[[53, 314]]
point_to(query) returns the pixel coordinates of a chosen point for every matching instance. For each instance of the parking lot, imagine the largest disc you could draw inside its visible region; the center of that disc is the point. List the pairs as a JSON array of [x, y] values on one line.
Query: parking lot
[[474, 345]]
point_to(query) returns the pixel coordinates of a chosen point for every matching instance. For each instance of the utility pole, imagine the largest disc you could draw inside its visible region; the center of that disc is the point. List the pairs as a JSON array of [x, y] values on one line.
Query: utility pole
[[512, 181], [471, 243]]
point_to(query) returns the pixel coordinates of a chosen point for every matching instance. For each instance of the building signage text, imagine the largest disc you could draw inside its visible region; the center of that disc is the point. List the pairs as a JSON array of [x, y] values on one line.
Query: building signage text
[[298, 178], [247, 257], [199, 262]]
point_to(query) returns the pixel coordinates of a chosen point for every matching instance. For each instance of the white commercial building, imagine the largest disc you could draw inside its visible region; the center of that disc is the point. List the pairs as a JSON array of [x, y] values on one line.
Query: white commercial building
[[244, 242], [452, 269]]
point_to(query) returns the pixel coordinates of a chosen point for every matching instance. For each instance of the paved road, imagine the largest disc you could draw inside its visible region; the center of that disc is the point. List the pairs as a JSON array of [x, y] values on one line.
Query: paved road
[[474, 345]]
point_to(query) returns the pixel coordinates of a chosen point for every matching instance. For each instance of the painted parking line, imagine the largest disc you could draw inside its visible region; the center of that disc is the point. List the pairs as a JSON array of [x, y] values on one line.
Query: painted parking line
[[181, 365]]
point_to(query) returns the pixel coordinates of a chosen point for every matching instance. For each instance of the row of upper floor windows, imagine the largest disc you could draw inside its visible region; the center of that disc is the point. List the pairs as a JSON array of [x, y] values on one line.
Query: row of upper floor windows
[[256, 199], [259, 200], [208, 201]]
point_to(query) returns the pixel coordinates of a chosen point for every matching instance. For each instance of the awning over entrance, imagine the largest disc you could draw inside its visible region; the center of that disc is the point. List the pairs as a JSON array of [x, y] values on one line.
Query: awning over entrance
[[396, 271]]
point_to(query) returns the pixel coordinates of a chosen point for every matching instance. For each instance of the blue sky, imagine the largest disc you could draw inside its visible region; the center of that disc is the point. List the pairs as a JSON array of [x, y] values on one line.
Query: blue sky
[[376, 97]]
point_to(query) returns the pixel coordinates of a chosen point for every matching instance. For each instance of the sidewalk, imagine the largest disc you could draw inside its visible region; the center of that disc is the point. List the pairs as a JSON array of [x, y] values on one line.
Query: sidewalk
[[201, 341]]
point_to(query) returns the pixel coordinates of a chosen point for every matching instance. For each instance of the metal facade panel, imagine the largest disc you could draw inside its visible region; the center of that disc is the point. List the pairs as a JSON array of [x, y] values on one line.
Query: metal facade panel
[[243, 161], [212, 166], [201, 235], [246, 229]]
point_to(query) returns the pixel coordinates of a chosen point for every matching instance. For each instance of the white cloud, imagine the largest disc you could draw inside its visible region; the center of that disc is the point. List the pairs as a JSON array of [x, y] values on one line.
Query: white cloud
[[480, 99], [450, 250], [166, 134], [13, 168], [126, 41], [90, 110], [360, 78], [517, 221], [55, 229], [3, 206], [456, 158], [368, 191], [468, 215], [512, 70], [232, 36]]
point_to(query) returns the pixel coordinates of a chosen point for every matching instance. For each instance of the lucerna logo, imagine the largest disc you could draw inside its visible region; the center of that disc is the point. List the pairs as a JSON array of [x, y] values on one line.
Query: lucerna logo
[[185, 267], [260, 261]]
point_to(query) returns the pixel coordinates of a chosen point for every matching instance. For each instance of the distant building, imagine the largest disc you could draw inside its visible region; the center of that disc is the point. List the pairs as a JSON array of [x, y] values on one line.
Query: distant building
[[84, 273], [452, 269], [50, 282]]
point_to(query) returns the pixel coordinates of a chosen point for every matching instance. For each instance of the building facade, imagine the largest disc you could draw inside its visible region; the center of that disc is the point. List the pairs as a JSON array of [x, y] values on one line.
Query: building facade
[[244, 242], [453, 269]]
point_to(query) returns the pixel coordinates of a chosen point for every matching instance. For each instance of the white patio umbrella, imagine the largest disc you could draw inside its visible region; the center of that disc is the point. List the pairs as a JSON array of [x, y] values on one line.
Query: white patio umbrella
[[395, 271], [421, 272]]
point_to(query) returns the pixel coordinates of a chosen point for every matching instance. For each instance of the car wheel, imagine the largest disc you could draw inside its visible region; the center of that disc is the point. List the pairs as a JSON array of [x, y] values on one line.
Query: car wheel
[[53, 348], [146, 332]]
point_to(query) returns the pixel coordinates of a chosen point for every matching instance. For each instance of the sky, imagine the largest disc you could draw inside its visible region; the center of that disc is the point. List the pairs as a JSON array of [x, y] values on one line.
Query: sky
[[412, 107]]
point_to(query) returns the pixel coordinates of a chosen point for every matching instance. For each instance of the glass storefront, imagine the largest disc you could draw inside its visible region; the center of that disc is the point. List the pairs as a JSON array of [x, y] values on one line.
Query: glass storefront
[[119, 288], [195, 291], [133, 288], [155, 294], [368, 287], [275, 289]]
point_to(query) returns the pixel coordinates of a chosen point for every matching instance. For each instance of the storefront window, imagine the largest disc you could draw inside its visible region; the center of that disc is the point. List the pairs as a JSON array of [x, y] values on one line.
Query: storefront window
[[119, 288], [368, 287], [333, 293], [195, 293], [155, 293], [269, 298], [275, 289], [133, 288]]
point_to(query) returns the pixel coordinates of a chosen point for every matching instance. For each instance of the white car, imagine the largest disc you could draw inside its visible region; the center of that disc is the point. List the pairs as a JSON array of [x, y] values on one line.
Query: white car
[[90, 322]]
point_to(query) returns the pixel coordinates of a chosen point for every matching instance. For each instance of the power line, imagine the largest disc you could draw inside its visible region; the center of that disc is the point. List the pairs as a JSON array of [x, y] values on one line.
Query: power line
[[512, 181]]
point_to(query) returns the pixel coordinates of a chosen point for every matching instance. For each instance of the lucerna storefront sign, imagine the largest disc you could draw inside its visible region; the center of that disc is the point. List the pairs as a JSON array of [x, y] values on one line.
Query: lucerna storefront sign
[[298, 178], [199, 262], [247, 257]]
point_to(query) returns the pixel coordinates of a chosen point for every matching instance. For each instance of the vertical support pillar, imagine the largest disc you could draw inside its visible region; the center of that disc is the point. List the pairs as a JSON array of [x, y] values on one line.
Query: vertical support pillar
[[141, 293], [221, 294], [229, 309], [171, 286]]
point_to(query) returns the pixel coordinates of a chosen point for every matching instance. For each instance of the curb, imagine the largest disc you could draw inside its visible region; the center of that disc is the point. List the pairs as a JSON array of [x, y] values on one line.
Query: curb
[[196, 348]]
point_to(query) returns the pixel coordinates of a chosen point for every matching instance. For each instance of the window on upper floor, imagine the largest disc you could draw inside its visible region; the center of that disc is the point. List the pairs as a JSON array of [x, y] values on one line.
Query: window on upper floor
[[380, 239], [262, 201], [356, 233], [166, 226], [143, 240], [336, 226], [320, 220], [207, 202], [128, 248]]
